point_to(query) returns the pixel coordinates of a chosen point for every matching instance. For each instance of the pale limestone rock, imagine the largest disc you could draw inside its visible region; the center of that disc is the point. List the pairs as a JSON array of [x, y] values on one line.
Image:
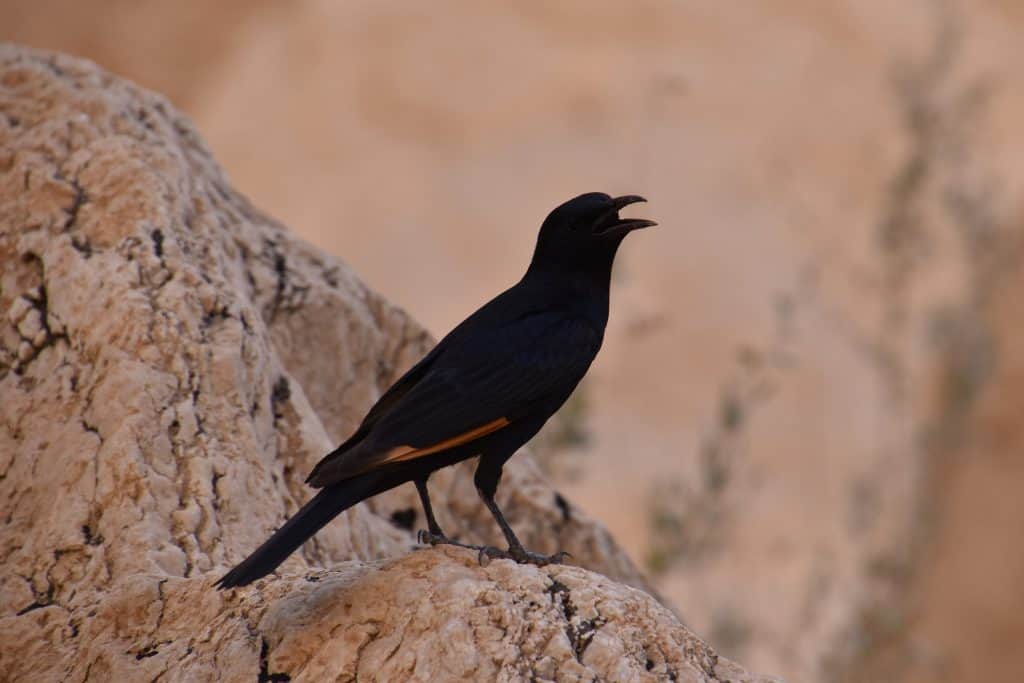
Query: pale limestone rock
[[172, 363], [432, 615]]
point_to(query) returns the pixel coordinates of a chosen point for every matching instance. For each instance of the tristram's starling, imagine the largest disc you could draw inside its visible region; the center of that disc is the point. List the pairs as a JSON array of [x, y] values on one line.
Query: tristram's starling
[[485, 389]]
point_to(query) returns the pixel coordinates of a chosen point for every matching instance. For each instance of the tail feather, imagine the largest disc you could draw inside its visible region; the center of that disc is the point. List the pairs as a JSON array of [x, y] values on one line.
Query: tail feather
[[325, 506]]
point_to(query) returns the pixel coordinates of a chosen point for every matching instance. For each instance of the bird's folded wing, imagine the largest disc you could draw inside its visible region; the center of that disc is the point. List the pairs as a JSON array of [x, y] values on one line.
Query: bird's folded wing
[[400, 453], [470, 392]]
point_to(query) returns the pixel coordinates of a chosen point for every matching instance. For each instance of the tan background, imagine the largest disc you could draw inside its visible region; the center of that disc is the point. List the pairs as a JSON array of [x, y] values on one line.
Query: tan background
[[811, 363]]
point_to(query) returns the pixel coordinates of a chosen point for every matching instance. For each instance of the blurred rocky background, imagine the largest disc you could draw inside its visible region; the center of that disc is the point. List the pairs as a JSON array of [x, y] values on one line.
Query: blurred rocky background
[[805, 421]]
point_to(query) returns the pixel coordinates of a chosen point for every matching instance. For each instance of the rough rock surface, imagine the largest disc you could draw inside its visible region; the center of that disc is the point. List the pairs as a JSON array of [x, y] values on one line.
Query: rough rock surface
[[430, 616], [172, 362]]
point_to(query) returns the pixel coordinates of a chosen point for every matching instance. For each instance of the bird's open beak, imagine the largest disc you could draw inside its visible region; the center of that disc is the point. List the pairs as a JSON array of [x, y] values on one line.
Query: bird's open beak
[[612, 224], [626, 200]]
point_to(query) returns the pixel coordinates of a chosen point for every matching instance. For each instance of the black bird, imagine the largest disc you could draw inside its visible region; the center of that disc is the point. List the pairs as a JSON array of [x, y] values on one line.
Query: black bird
[[485, 389]]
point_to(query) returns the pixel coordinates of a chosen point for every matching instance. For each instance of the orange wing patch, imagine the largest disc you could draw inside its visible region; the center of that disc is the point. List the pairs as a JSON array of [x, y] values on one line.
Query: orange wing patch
[[401, 453]]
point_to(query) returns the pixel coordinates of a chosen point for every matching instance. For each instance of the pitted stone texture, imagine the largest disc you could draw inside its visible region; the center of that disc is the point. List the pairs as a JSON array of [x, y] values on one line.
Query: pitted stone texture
[[433, 615]]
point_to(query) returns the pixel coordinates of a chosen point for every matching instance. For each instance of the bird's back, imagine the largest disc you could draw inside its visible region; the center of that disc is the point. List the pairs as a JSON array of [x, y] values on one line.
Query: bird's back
[[520, 355]]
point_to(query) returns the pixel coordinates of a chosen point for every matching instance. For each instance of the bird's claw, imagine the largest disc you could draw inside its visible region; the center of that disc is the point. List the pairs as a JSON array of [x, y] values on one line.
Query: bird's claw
[[559, 556], [425, 537], [486, 553], [520, 555]]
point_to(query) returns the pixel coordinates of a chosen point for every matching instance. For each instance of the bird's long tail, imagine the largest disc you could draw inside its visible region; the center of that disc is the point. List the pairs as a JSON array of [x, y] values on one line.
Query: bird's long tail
[[324, 506]]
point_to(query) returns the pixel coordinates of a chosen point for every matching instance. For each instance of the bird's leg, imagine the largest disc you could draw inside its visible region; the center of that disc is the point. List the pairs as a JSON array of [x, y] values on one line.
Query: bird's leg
[[433, 535], [486, 479], [515, 551]]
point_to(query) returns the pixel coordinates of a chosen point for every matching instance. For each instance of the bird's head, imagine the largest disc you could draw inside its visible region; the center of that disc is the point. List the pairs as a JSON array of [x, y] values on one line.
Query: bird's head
[[586, 231]]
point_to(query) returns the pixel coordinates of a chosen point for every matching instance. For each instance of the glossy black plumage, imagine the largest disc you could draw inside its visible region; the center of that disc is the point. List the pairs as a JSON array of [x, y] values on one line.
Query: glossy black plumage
[[485, 389]]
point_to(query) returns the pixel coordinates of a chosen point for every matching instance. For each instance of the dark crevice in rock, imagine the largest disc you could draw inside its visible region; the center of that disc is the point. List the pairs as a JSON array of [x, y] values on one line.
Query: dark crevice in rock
[[40, 602], [265, 675], [560, 592], [39, 299], [158, 243], [280, 393], [42, 304], [281, 269], [404, 518], [147, 651], [34, 606], [288, 295], [330, 276], [143, 116], [215, 315], [579, 631], [163, 602], [213, 490], [91, 538], [563, 505], [82, 246], [77, 201]]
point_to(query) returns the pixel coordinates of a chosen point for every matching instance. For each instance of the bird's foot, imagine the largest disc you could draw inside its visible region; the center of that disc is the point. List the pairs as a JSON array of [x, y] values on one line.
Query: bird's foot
[[487, 553], [521, 555], [425, 537]]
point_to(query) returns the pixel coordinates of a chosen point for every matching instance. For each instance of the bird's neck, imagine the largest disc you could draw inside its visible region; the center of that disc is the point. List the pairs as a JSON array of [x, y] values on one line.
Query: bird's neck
[[583, 289], [591, 269]]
